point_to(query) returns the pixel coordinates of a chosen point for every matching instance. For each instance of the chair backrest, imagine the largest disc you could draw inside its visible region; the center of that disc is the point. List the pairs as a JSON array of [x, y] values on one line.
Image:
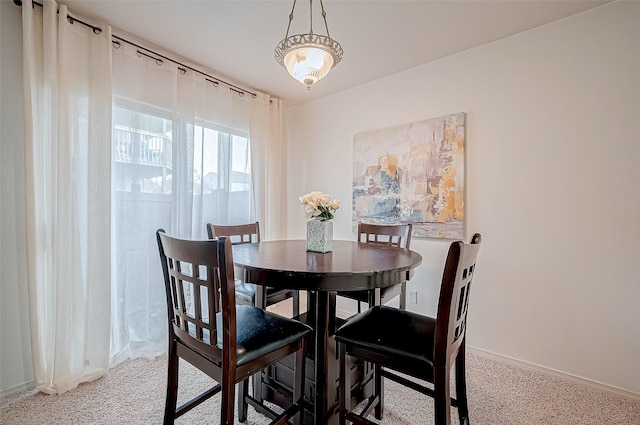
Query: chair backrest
[[200, 290], [451, 321], [398, 235], [238, 233]]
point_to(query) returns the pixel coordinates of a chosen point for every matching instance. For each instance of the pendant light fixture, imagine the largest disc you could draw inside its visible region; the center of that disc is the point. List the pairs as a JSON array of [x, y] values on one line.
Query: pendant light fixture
[[308, 57]]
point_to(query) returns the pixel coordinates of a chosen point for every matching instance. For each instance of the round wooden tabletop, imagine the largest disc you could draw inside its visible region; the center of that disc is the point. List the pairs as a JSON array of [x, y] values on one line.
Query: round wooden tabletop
[[349, 266]]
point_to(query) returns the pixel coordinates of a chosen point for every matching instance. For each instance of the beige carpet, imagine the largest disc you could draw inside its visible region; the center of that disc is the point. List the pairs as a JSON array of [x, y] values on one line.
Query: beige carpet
[[133, 393]]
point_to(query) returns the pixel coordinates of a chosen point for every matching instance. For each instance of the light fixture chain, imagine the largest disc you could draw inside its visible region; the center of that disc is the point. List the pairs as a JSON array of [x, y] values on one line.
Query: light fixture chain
[[290, 19], [310, 16], [324, 16]]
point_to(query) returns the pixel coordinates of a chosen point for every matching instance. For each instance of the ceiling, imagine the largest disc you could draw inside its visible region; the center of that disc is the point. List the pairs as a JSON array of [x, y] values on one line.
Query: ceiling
[[236, 38]]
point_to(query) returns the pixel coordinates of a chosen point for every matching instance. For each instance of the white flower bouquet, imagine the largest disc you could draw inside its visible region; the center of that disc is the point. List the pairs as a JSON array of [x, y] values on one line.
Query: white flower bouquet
[[319, 205]]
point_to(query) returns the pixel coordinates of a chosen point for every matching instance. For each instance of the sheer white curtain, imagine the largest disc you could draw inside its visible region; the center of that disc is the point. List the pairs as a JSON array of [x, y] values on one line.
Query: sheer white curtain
[[67, 85], [268, 156], [182, 157]]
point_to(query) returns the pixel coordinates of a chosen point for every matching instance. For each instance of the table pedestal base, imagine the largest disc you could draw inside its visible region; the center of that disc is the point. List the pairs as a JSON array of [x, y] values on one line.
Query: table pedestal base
[[277, 381]]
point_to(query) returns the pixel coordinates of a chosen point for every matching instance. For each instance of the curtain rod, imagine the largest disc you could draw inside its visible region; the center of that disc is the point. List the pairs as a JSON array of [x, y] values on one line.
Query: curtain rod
[[118, 39]]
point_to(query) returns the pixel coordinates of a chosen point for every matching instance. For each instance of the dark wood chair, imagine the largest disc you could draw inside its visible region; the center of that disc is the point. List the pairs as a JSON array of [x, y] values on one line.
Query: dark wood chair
[[398, 235], [246, 292], [227, 342], [421, 347]]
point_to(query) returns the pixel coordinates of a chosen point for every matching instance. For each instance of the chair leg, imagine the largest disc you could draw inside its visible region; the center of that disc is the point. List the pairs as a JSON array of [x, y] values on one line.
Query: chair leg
[[243, 392], [378, 385], [461, 386], [375, 297], [260, 301], [403, 296], [228, 397], [296, 304], [311, 296], [344, 388], [172, 386], [442, 396], [257, 386], [299, 381]]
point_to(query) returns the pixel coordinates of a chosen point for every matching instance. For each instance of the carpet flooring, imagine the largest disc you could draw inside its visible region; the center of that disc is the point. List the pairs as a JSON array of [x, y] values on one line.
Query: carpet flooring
[[133, 393], [499, 394]]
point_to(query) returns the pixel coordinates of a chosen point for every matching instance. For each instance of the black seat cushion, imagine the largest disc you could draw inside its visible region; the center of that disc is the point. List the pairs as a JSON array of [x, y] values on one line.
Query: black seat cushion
[[245, 292], [398, 339], [260, 332]]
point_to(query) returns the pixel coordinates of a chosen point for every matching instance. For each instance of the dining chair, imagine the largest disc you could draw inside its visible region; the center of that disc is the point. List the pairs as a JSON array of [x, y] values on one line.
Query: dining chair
[[396, 235], [403, 342], [246, 292], [228, 342]]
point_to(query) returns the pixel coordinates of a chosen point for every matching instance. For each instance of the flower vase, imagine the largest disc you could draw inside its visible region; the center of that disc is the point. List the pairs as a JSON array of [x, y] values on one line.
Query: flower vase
[[319, 235]]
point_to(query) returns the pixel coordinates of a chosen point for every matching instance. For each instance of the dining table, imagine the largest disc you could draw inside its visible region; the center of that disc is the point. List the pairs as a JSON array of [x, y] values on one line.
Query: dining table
[[350, 266]]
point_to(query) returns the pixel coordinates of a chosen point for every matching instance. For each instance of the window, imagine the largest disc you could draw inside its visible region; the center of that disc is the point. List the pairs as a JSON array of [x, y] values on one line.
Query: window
[[142, 155], [224, 160], [161, 182], [142, 152]]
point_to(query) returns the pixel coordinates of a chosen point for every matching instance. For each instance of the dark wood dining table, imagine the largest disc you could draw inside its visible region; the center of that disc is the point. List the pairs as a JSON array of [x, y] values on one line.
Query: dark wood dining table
[[350, 266]]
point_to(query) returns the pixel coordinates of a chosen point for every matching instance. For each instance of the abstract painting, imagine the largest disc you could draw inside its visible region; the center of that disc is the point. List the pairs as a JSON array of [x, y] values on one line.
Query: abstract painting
[[412, 173]]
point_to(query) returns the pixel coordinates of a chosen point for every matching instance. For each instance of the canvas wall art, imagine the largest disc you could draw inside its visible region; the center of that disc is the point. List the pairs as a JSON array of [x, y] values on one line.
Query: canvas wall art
[[412, 173]]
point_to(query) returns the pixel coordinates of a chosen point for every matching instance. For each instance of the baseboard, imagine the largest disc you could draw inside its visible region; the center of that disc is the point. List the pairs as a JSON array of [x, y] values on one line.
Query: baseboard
[[554, 373], [27, 386]]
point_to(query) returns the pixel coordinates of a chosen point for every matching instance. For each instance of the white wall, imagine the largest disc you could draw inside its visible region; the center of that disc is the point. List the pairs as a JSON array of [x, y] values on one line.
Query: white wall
[[15, 350], [552, 184]]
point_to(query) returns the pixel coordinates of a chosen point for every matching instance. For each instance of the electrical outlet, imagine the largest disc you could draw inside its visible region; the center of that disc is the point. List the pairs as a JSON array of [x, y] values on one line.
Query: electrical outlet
[[413, 297]]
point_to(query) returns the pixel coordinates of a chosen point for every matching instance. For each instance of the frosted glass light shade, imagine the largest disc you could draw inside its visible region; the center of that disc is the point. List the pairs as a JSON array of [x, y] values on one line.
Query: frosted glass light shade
[[308, 57], [308, 64]]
